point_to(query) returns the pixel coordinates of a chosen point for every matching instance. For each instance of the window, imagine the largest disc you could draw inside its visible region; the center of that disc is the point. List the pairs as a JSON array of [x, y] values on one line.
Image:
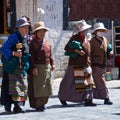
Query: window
[[92, 11]]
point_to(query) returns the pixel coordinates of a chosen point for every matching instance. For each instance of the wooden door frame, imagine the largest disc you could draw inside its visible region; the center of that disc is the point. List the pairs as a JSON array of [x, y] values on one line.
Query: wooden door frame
[[4, 16]]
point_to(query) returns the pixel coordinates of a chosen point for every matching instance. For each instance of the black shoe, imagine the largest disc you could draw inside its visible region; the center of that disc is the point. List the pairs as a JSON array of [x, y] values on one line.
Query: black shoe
[[107, 101], [41, 108], [18, 110], [63, 102], [89, 103], [8, 109]]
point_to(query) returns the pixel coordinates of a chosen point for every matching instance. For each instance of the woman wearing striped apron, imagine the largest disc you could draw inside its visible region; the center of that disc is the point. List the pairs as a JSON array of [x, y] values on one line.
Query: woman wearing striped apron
[[77, 83]]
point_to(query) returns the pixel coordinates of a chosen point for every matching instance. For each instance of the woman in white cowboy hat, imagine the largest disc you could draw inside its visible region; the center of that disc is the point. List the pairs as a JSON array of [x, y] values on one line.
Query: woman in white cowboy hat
[[98, 60], [74, 87], [39, 85]]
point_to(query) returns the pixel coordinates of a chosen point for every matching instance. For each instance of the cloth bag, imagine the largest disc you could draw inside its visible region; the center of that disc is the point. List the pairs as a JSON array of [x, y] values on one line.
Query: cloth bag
[[11, 64]]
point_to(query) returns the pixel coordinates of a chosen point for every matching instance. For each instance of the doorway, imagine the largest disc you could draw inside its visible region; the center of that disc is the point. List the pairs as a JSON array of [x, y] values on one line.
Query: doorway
[[7, 16]]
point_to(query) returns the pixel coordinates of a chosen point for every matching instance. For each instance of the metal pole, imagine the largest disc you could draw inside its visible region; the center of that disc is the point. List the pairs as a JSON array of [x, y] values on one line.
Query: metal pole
[[112, 23]]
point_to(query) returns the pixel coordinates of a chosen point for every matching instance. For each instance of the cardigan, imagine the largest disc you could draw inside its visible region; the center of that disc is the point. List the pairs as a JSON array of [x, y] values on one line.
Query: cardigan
[[82, 61], [98, 52], [40, 54]]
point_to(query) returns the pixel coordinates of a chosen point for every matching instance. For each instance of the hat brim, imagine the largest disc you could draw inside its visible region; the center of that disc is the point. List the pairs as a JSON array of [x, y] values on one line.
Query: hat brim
[[100, 28], [25, 24], [85, 28], [39, 28]]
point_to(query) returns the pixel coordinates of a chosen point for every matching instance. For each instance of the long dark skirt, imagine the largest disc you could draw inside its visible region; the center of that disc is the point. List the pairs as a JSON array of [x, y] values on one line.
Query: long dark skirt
[[34, 102], [67, 90], [101, 90], [6, 99], [39, 87]]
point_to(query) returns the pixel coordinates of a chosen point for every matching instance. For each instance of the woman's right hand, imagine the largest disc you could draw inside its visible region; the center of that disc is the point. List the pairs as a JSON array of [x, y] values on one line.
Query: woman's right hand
[[17, 54], [35, 71], [80, 52]]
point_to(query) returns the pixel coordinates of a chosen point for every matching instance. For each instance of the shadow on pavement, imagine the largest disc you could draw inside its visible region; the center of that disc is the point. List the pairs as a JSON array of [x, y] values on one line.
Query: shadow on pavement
[[116, 113], [114, 88], [7, 113], [65, 106]]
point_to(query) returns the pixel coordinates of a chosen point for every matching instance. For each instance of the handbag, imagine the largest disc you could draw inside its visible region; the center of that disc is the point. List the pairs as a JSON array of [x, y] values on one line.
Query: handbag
[[11, 64]]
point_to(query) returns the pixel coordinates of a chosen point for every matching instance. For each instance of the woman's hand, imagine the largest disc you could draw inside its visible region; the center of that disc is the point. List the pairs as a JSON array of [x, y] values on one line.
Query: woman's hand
[[111, 53], [53, 67], [80, 52], [35, 71], [17, 54]]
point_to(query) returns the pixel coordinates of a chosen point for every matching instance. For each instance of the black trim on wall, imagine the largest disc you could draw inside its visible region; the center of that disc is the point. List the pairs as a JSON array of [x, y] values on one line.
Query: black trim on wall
[[65, 14], [13, 15]]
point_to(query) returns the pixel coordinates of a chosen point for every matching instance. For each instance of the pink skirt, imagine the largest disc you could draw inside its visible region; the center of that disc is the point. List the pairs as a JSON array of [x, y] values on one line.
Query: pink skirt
[[67, 89], [101, 90]]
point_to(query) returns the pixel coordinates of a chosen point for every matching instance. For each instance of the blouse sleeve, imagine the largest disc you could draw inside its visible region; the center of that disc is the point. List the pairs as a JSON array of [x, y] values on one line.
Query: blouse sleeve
[[6, 48], [67, 48]]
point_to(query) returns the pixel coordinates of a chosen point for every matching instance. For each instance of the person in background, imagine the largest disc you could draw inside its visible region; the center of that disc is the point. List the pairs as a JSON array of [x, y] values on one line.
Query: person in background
[[39, 85], [99, 45], [29, 35], [77, 83], [14, 83]]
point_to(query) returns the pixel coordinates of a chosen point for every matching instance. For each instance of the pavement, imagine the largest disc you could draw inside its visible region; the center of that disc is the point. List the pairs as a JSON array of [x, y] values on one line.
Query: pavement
[[74, 111]]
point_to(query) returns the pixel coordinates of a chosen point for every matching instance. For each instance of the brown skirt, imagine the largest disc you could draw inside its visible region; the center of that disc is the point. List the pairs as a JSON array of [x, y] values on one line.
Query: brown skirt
[[35, 102], [67, 89], [101, 90], [38, 95]]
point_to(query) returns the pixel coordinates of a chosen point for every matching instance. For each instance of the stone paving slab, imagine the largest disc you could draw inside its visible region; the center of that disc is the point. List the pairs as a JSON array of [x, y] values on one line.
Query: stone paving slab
[[74, 111]]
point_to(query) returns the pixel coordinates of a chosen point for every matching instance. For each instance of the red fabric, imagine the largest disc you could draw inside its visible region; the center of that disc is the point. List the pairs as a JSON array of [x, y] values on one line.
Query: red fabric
[[117, 61]]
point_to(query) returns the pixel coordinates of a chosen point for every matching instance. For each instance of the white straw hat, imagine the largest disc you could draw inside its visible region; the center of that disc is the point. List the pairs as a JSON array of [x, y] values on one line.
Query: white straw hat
[[40, 25], [82, 25], [99, 26]]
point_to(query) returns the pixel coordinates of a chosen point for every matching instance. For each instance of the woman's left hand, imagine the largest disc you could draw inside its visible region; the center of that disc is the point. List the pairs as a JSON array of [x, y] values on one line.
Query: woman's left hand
[[53, 67], [111, 53]]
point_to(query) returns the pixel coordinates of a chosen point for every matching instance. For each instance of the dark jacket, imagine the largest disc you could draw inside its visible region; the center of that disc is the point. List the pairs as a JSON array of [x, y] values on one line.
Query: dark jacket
[[82, 61], [98, 52], [40, 53]]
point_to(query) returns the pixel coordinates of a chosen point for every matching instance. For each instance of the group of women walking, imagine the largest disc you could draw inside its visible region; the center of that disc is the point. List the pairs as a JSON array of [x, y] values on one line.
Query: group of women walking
[[27, 65], [84, 78]]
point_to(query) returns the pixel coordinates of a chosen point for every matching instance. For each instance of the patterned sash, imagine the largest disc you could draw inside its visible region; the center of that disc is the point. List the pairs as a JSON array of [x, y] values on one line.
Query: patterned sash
[[83, 80]]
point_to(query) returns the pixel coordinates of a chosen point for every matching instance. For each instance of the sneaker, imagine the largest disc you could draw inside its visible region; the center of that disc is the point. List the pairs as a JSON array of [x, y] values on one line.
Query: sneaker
[[18, 110], [63, 102], [107, 101], [89, 103], [41, 108], [8, 109]]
